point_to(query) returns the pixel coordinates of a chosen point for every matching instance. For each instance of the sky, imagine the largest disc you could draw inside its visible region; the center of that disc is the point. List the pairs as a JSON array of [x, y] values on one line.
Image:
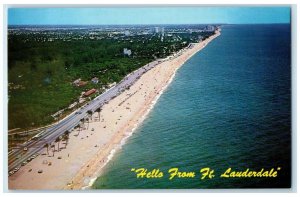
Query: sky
[[148, 15]]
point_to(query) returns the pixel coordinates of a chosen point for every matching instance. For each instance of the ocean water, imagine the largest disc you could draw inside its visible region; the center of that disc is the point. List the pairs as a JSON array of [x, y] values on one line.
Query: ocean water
[[228, 106]]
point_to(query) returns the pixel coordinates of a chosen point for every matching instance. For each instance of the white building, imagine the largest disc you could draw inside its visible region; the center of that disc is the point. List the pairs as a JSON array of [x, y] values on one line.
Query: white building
[[95, 80], [76, 82], [126, 51], [127, 33]]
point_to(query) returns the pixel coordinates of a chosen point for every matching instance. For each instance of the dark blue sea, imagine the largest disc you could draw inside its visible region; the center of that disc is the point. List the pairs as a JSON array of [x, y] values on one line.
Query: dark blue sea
[[229, 106]]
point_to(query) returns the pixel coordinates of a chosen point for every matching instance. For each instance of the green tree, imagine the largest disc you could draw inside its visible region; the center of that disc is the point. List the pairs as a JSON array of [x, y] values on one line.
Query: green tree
[[57, 140], [47, 147], [99, 109]]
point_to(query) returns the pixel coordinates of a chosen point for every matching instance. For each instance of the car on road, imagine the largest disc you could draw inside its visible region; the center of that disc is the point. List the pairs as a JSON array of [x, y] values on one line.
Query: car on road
[[35, 137], [101, 100], [11, 173], [35, 155]]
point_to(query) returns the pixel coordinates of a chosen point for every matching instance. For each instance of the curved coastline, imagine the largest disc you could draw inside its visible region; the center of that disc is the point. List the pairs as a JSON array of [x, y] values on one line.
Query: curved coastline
[[128, 134], [82, 169]]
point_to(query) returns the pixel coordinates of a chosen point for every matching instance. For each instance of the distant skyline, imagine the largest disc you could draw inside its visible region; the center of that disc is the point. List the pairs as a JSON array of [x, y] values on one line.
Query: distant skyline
[[148, 15]]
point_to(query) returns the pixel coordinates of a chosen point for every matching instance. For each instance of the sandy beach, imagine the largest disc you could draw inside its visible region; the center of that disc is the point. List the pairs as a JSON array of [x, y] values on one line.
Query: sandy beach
[[77, 164]]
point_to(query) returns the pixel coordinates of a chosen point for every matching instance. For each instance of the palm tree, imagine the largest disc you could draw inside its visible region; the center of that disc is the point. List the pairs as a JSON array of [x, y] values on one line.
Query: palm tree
[[99, 109], [66, 137], [82, 121], [47, 146], [53, 150], [78, 127], [87, 119], [90, 114], [57, 140]]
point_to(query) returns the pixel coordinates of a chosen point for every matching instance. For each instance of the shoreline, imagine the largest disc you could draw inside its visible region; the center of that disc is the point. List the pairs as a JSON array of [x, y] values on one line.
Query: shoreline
[[123, 141], [110, 132]]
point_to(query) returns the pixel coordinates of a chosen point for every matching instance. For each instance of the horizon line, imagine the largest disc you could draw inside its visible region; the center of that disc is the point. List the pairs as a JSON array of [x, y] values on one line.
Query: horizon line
[[149, 24]]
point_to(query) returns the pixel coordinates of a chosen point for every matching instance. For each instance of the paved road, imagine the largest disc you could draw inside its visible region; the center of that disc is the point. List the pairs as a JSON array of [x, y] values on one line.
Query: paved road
[[34, 147]]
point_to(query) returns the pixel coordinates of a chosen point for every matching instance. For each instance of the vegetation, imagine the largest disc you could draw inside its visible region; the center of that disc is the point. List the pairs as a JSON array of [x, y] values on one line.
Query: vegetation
[[41, 69]]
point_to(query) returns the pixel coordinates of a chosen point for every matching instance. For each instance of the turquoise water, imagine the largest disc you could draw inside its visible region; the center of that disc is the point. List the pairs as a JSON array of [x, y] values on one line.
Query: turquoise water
[[228, 106]]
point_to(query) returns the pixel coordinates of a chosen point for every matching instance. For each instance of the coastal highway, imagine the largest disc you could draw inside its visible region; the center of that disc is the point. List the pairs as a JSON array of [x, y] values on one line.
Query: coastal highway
[[34, 146]]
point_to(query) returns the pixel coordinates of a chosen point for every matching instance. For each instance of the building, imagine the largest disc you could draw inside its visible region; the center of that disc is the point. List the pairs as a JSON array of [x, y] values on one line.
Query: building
[[76, 82], [95, 80], [156, 29], [112, 85], [209, 28], [126, 51], [82, 83], [127, 33], [79, 83], [90, 92]]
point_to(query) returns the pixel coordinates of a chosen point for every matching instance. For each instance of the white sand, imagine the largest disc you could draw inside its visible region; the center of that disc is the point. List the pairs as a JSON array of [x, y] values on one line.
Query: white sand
[[86, 154]]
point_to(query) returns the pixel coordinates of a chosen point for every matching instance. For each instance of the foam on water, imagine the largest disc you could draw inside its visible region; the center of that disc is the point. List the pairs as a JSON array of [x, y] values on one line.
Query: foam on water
[[229, 106], [129, 133]]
